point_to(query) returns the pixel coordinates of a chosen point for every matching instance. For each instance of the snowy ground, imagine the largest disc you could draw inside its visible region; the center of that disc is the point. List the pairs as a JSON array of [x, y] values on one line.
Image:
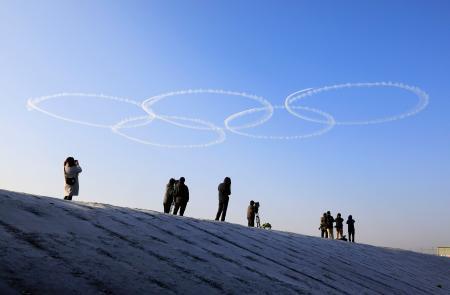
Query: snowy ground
[[51, 246]]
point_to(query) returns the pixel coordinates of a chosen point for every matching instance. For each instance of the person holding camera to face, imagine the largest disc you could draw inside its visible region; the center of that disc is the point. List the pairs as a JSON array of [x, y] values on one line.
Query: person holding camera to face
[[252, 212], [224, 196], [71, 171]]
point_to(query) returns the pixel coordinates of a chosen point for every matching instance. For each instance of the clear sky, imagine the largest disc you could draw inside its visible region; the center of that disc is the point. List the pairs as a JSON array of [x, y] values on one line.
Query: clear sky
[[392, 177]]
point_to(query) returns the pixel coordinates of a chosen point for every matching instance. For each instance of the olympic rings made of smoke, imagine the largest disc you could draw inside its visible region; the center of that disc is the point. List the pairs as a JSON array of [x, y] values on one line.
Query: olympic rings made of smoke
[[267, 107]]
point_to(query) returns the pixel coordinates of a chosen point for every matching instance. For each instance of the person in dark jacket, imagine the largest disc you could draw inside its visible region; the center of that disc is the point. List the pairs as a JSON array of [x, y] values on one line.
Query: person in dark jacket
[[181, 196], [339, 226], [323, 226], [351, 229], [251, 214], [72, 185], [224, 196], [168, 196], [330, 221]]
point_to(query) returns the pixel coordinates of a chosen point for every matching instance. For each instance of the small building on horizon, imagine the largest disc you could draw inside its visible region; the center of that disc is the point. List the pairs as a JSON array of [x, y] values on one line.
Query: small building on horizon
[[443, 251]]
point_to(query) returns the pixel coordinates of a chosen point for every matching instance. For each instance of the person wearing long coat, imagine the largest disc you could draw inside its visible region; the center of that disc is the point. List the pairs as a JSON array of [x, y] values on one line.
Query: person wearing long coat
[[72, 184], [168, 196], [224, 196], [251, 214]]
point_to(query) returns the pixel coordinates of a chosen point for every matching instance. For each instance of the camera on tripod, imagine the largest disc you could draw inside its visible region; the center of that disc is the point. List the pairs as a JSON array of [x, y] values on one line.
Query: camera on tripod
[[258, 221]]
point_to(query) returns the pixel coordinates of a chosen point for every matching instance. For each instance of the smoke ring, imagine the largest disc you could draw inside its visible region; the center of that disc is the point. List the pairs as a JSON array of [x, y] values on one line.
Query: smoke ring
[[33, 104], [330, 123], [146, 104], [422, 95], [211, 127]]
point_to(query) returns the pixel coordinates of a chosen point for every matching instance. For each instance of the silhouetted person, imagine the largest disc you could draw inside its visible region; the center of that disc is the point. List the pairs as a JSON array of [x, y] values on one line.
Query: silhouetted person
[[181, 196], [224, 196], [323, 226], [71, 171], [251, 214], [168, 196], [339, 226], [351, 229], [330, 221]]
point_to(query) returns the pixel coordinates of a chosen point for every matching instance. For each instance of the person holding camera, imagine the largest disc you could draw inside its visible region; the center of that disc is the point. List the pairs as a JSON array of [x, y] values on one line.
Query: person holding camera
[[224, 196], [71, 171], [251, 214]]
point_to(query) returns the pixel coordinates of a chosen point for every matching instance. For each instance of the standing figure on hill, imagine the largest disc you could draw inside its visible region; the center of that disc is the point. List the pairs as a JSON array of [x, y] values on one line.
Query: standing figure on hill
[[251, 214], [330, 221], [224, 193], [181, 195], [339, 226], [323, 226], [168, 196], [71, 171], [351, 229]]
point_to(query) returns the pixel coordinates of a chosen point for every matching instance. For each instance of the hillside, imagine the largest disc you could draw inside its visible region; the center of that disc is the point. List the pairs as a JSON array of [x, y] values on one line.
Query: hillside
[[53, 246]]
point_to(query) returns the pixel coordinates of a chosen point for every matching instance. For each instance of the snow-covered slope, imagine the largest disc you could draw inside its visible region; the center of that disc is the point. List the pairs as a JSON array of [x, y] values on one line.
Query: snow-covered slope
[[51, 246]]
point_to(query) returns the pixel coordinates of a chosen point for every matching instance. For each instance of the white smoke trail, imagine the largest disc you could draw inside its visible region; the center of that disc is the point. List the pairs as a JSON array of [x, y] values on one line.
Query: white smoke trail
[[422, 103], [220, 132], [330, 122], [146, 105], [33, 104]]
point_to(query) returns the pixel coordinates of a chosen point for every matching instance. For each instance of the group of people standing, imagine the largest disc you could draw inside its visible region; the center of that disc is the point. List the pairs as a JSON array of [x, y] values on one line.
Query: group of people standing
[[326, 227], [177, 196]]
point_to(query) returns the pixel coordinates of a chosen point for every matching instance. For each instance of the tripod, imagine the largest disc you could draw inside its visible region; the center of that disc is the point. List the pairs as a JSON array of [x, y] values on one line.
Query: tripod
[[258, 222]]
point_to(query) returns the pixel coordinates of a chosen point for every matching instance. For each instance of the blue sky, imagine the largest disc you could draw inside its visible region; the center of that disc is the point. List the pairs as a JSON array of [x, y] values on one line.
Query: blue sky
[[392, 177]]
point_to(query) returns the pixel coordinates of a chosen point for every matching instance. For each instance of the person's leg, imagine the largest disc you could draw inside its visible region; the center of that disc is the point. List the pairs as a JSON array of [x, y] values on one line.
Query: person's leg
[[251, 222], [353, 237], [219, 211], [69, 197], [330, 233], [322, 233], [182, 208], [166, 207], [176, 207], [224, 210]]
